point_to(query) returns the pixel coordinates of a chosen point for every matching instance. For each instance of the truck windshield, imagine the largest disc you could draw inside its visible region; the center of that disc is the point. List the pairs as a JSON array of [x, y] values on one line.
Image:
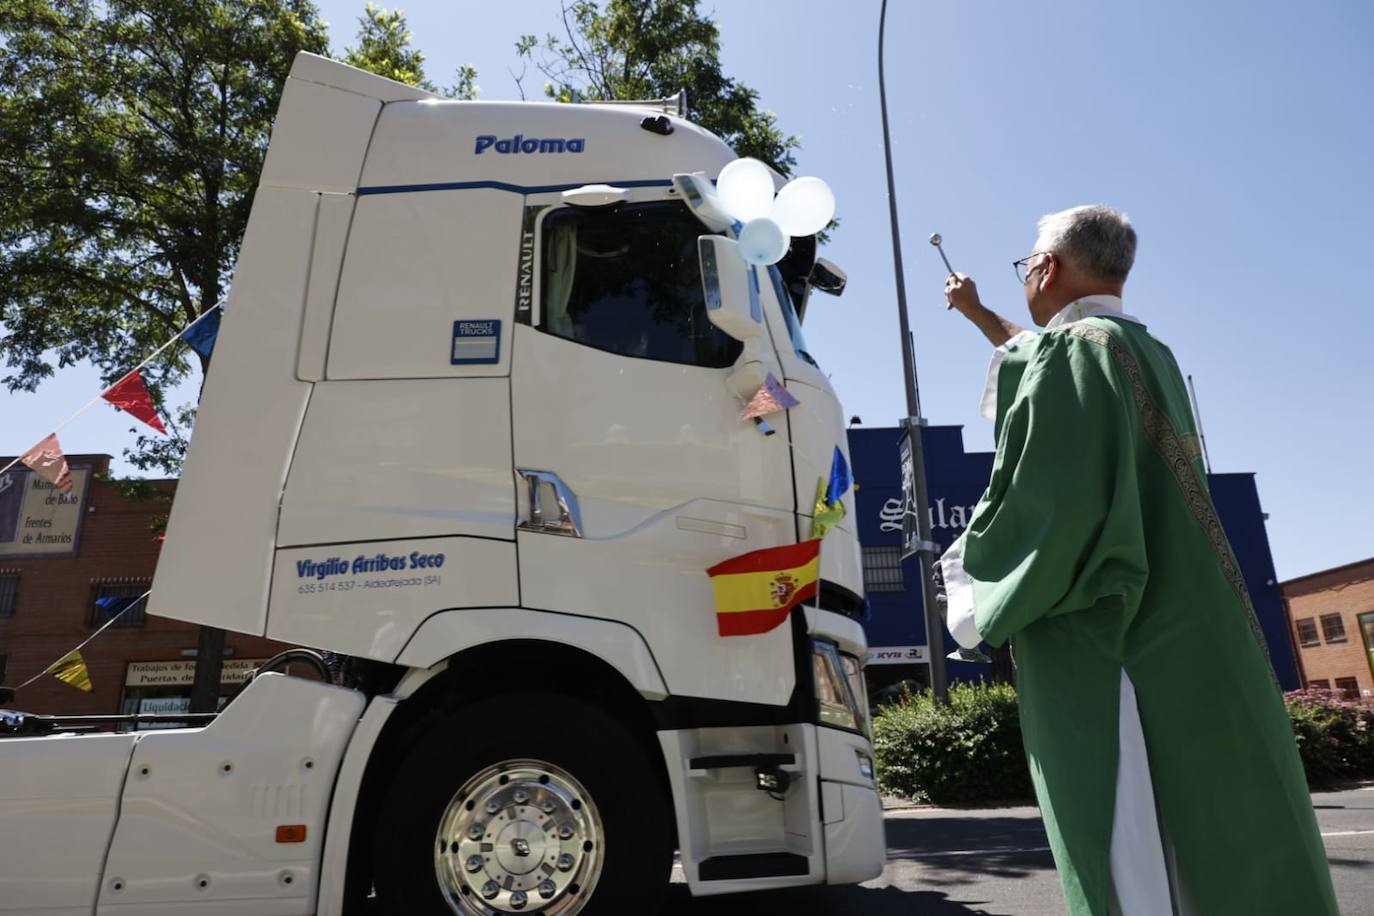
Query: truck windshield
[[627, 279], [789, 314]]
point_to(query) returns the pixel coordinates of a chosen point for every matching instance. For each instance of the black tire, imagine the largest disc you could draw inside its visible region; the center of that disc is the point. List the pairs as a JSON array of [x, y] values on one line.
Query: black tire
[[614, 767]]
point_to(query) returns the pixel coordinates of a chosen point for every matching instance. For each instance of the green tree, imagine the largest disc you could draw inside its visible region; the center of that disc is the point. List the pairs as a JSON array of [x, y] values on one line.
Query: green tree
[[384, 48], [131, 138], [647, 49]]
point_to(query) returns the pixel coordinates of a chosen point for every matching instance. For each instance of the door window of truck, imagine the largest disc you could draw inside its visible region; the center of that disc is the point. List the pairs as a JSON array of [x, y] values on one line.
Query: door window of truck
[[627, 279]]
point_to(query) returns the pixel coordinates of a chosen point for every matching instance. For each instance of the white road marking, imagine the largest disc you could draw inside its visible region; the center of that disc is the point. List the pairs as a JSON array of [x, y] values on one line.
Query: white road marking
[[996, 850]]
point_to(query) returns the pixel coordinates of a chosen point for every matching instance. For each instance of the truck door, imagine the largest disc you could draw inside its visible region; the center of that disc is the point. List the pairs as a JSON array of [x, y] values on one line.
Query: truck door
[[634, 471], [816, 426]]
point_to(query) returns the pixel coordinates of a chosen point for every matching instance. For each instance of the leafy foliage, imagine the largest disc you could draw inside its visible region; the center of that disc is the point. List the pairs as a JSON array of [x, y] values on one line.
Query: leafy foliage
[[965, 752], [1335, 736], [131, 138], [970, 751], [132, 134], [384, 48], [648, 49]]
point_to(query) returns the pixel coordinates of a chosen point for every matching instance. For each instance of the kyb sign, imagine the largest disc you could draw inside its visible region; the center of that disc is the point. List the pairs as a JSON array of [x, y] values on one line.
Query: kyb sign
[[896, 655]]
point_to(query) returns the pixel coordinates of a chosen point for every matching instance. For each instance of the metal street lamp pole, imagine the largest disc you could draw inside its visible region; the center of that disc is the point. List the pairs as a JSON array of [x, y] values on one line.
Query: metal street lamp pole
[[914, 422]]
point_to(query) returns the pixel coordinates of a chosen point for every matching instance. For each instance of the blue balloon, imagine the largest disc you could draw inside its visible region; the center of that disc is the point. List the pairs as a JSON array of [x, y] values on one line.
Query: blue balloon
[[762, 242]]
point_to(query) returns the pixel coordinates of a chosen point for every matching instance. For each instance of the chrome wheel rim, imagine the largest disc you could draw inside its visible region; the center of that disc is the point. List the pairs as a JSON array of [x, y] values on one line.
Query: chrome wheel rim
[[522, 836]]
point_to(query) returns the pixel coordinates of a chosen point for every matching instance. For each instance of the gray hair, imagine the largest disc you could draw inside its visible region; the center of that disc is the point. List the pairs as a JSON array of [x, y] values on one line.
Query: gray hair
[[1097, 240]]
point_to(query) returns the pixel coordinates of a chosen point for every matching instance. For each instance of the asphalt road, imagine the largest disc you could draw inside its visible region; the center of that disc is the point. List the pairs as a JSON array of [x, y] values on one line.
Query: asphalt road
[[995, 862]]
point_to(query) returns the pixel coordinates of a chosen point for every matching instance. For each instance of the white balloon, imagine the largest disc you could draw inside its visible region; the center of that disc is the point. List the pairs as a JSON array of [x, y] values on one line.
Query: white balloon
[[745, 189], [804, 206], [762, 242]]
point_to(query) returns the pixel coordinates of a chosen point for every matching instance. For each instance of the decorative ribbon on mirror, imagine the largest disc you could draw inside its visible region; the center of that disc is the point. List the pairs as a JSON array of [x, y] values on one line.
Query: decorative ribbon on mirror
[[771, 397]]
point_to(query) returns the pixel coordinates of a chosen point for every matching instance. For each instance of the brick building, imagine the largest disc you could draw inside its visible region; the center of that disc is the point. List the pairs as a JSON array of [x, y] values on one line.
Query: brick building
[[1332, 616], [59, 555]]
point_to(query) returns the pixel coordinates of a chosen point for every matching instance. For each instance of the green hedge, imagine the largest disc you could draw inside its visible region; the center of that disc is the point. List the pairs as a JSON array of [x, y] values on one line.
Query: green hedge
[[967, 752], [970, 751]]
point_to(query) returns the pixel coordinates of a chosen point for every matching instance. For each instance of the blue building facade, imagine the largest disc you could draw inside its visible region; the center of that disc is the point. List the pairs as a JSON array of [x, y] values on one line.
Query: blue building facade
[[956, 478]]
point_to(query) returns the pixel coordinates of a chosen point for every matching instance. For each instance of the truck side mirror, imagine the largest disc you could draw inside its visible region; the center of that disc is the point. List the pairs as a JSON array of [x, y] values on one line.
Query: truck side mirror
[[726, 282], [827, 277]]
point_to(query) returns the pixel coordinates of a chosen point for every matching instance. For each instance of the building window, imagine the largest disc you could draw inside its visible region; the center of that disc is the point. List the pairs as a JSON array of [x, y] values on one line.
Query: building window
[[1322, 684], [1348, 686], [9, 587], [4, 666], [1333, 628], [111, 597], [883, 569], [1366, 625], [1307, 632]]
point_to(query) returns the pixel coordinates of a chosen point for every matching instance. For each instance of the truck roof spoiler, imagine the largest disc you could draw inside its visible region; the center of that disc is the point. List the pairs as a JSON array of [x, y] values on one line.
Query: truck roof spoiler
[[675, 104], [312, 68]]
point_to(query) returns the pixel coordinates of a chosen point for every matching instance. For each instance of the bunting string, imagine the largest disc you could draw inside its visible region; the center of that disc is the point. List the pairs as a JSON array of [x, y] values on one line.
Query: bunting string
[[103, 627], [187, 335]]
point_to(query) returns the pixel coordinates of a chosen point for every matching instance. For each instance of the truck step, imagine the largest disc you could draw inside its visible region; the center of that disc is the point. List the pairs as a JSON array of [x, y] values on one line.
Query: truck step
[[721, 761], [752, 865]]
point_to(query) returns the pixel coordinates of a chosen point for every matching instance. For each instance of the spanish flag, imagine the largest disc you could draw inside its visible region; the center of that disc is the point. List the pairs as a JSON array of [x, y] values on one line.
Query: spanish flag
[[756, 591], [71, 669]]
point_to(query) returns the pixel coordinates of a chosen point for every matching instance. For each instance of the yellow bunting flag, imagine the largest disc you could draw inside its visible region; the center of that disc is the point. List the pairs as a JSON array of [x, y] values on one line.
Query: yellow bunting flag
[[826, 514], [71, 668], [756, 591]]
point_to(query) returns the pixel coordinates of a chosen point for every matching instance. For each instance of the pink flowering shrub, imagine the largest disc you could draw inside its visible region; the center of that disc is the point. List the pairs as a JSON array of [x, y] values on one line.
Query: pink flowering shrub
[[1335, 736]]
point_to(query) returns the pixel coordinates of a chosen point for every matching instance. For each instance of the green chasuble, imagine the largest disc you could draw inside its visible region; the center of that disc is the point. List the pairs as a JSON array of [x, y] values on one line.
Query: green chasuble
[[1097, 551]]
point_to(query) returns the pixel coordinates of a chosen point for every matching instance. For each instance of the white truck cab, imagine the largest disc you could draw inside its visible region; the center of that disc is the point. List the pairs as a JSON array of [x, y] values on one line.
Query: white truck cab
[[472, 424]]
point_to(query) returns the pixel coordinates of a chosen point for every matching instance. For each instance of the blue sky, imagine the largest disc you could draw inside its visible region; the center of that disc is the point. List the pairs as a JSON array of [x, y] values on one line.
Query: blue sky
[[1238, 137]]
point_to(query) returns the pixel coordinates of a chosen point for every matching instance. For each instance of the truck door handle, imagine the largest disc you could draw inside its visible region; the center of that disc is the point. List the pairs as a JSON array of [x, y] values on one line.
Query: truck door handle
[[566, 519]]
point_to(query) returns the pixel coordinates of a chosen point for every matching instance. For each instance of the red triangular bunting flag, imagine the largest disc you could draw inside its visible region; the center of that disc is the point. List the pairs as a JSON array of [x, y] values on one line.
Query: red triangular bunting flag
[[130, 395], [48, 462]]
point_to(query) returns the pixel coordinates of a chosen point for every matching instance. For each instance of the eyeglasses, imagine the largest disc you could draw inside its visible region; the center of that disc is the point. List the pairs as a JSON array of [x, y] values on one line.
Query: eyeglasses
[[1023, 268]]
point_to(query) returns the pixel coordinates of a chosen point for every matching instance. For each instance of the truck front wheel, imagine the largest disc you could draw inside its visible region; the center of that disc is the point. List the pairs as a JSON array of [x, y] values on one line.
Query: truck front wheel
[[526, 803]]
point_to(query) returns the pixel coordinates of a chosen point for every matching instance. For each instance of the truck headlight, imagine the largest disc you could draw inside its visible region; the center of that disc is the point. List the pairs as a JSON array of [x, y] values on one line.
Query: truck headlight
[[854, 674], [840, 693]]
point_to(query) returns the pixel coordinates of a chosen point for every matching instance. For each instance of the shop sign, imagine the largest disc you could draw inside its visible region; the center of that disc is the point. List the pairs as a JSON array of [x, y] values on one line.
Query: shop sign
[[36, 518], [897, 655], [182, 673], [893, 515]]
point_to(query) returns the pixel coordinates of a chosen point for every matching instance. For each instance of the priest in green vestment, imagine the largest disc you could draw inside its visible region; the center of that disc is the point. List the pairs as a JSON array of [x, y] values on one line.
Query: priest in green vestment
[[1161, 753]]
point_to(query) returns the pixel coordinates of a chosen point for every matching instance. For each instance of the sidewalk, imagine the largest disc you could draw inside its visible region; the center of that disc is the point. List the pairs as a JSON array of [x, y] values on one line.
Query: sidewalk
[[995, 861]]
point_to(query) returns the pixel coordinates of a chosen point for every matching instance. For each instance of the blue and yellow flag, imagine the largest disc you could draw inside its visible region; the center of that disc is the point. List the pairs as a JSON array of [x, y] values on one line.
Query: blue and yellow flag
[[829, 508], [825, 514], [840, 481]]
